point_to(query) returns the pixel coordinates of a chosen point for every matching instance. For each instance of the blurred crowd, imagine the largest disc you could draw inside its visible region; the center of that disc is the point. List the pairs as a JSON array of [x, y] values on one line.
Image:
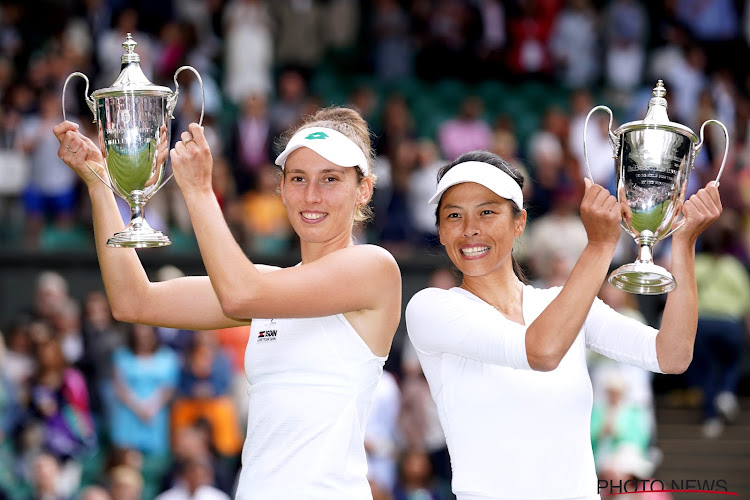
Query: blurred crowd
[[96, 409]]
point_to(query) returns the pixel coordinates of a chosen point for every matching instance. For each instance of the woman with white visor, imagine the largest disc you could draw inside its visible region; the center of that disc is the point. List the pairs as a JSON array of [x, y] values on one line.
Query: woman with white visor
[[506, 362], [320, 331]]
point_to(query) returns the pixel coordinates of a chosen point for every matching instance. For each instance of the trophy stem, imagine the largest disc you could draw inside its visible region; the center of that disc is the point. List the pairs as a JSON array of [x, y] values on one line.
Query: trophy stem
[[138, 234], [643, 276]]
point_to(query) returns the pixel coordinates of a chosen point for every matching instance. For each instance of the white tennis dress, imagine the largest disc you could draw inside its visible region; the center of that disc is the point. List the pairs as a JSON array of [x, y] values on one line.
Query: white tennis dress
[[515, 433], [311, 388]]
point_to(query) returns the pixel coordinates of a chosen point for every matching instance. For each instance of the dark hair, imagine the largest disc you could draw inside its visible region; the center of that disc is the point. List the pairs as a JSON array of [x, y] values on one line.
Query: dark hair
[[498, 162], [350, 123]]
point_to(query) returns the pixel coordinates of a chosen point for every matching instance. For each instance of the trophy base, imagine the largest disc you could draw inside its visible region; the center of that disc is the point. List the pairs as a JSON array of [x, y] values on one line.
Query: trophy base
[[643, 279], [144, 238]]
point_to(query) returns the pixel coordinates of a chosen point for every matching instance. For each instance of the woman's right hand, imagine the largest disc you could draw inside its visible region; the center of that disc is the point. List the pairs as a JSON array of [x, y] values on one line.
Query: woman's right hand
[[601, 215], [77, 150]]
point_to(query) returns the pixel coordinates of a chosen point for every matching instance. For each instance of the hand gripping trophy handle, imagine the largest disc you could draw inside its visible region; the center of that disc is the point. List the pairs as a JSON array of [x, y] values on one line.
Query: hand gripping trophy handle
[[697, 150], [92, 106]]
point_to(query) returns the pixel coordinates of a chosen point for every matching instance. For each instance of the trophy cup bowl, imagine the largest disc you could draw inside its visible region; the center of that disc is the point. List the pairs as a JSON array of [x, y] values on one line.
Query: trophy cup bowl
[[653, 162], [134, 137]]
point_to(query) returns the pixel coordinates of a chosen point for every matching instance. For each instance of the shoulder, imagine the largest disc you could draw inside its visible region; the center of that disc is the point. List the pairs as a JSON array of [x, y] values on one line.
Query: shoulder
[[373, 257], [429, 298], [541, 294]]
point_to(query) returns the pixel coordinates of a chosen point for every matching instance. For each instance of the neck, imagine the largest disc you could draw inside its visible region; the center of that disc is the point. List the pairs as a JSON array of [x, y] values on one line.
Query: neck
[[501, 292], [313, 251]]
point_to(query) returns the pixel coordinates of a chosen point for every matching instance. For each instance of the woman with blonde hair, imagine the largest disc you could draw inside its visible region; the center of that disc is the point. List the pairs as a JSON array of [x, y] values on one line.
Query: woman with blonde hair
[[321, 330]]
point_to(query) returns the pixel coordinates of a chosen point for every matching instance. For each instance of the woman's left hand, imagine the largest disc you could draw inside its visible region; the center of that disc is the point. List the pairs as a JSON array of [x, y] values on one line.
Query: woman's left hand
[[700, 211], [192, 161]]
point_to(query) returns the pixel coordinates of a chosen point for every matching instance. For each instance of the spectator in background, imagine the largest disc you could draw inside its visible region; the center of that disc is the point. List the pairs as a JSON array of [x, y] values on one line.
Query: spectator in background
[[419, 422], [465, 132], [194, 442], [66, 323], [549, 173], [125, 483], [46, 479], [574, 44], [18, 362], [396, 228], [101, 337], [266, 228], [51, 189], [615, 422], [723, 307], [50, 294], [416, 479], [556, 239], [627, 465], [420, 188], [625, 29], [94, 492], [144, 379], [528, 41], [252, 142], [59, 404], [109, 47], [300, 39], [392, 47], [10, 405], [195, 482], [639, 392], [203, 394], [248, 49], [291, 100], [598, 147], [381, 436], [397, 124]]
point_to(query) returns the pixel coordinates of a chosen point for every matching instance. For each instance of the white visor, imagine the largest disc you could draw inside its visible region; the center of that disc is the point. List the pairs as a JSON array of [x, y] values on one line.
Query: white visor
[[489, 176], [328, 143]]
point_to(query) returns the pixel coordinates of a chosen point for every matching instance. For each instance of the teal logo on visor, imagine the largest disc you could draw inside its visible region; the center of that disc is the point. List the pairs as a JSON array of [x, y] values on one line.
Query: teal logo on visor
[[317, 135]]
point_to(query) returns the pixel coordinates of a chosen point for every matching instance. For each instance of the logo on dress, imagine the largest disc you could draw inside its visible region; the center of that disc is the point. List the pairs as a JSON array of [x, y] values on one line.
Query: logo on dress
[[268, 334]]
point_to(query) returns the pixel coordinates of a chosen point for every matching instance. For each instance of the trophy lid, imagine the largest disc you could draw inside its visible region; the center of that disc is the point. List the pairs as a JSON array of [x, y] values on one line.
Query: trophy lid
[[131, 79], [656, 116]]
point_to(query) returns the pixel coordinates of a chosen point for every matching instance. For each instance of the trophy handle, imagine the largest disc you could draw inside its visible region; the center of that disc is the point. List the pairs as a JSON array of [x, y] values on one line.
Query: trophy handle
[[613, 140], [173, 100], [89, 101], [92, 106], [726, 146]]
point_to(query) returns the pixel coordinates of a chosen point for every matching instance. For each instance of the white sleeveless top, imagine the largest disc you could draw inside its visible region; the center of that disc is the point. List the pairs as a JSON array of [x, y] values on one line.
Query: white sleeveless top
[[311, 388]]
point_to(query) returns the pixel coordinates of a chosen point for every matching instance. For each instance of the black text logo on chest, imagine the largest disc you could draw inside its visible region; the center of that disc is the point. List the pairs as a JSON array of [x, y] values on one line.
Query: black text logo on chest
[[268, 334]]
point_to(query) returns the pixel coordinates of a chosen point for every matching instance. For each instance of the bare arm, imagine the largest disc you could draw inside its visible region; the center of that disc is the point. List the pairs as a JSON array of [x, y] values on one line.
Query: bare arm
[[676, 337], [188, 303], [551, 334], [357, 278]]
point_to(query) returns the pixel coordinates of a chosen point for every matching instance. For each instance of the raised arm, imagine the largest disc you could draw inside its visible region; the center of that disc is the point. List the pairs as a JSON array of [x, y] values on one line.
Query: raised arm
[[551, 334], [676, 337], [356, 278], [188, 302]]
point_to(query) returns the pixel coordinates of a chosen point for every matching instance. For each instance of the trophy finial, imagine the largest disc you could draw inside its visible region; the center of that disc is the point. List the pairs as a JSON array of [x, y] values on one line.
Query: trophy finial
[[659, 90], [129, 44], [130, 55], [657, 106]]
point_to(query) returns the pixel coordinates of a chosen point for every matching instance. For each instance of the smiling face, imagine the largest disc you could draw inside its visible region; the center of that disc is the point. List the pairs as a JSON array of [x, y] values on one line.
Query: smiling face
[[321, 197], [477, 228]]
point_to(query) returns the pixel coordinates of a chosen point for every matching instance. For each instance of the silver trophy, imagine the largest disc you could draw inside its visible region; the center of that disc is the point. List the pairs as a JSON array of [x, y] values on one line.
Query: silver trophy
[[134, 136], [653, 162]]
